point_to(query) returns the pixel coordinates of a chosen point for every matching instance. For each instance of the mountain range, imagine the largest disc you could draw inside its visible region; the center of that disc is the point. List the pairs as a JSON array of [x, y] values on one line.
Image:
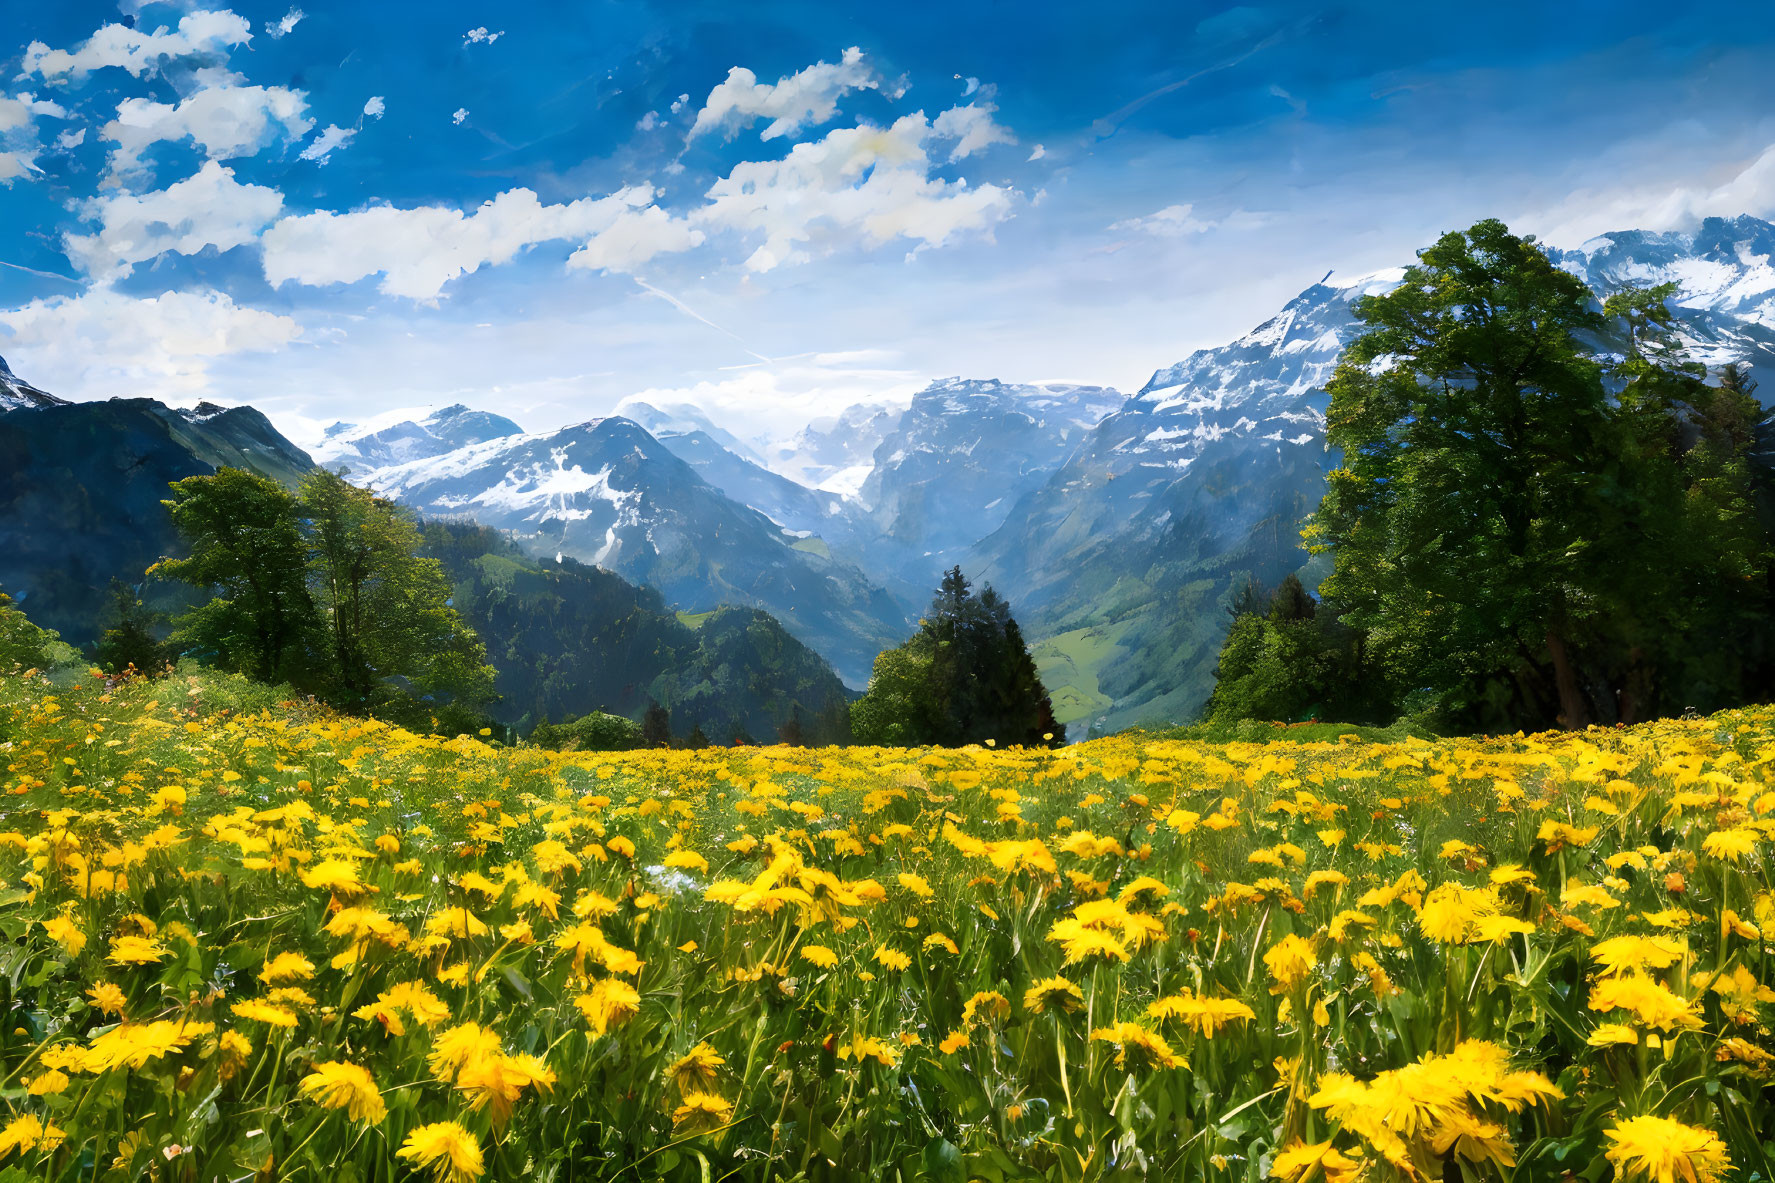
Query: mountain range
[[1118, 527]]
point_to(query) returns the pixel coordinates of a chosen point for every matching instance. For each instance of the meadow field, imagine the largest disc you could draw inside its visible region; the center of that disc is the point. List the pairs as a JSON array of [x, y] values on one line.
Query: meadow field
[[252, 939]]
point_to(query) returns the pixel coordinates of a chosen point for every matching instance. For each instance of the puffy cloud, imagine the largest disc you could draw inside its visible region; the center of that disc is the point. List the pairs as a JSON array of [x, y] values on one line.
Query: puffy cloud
[[481, 36], [417, 251], [634, 238], [201, 34], [19, 144], [225, 121], [1037, 152], [866, 183], [103, 342], [460, 115], [324, 144], [971, 128], [207, 209], [375, 107], [287, 25], [809, 97]]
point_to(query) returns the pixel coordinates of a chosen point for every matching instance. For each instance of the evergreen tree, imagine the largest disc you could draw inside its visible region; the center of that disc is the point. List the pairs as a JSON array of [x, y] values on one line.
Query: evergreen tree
[[247, 552], [656, 726], [130, 640], [966, 676], [696, 739]]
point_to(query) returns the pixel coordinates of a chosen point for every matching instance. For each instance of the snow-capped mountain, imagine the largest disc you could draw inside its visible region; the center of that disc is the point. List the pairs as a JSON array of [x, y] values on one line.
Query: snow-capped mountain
[[1205, 476], [673, 419], [362, 449], [966, 450], [608, 493], [836, 453], [16, 393], [1725, 277]]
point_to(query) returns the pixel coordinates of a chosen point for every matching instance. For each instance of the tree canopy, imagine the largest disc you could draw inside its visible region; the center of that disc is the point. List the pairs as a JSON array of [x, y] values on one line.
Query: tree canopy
[[1544, 513], [965, 677]]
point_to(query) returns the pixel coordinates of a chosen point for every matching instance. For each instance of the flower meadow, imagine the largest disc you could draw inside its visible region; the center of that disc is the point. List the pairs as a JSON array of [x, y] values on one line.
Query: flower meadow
[[251, 939]]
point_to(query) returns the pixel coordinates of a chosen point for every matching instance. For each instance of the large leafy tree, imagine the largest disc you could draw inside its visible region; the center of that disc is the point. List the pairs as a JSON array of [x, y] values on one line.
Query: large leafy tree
[[246, 549], [386, 608], [1526, 533]]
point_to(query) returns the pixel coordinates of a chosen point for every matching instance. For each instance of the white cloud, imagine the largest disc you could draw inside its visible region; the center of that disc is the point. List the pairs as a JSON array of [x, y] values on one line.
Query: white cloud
[[679, 102], [1037, 152], [105, 343], [207, 209], [285, 26], [327, 141], [418, 251], [770, 402], [1180, 221], [971, 128], [376, 107], [225, 121], [1739, 188], [19, 143], [70, 140], [634, 238], [480, 36], [809, 97], [201, 34], [459, 116], [860, 183], [1174, 221]]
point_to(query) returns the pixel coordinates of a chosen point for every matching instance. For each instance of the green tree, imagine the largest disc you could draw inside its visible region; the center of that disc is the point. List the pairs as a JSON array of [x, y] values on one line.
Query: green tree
[[594, 731], [1288, 658], [386, 609], [966, 676], [24, 646], [656, 726], [1525, 532], [247, 553], [130, 639]]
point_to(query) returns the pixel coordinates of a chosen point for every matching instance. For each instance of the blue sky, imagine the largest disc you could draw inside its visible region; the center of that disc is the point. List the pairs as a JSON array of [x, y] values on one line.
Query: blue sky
[[334, 210]]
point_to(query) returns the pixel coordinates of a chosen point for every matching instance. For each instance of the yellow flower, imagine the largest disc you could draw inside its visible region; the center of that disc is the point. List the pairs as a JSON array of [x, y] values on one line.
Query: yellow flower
[[702, 1112], [1145, 1047], [286, 967], [25, 1133], [695, 1069], [132, 1045], [495, 1081], [819, 955], [134, 950], [1730, 845], [1650, 1003], [953, 1042], [1289, 961], [66, 933], [891, 958], [1206, 1015], [336, 875], [107, 999], [264, 1012], [1662, 1150], [337, 1084], [460, 1045], [1298, 1162], [609, 1003], [450, 1150], [1054, 993]]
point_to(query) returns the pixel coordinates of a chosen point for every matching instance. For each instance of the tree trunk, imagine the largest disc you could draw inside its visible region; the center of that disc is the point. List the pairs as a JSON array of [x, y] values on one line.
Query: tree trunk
[[1574, 712]]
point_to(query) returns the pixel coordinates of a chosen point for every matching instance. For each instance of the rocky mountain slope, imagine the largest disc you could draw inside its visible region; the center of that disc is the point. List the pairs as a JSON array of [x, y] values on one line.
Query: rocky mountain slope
[[964, 453], [81, 486], [607, 493]]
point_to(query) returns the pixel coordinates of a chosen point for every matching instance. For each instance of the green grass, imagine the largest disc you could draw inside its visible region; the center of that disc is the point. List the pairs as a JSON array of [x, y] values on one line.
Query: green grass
[[1069, 663], [694, 619]]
